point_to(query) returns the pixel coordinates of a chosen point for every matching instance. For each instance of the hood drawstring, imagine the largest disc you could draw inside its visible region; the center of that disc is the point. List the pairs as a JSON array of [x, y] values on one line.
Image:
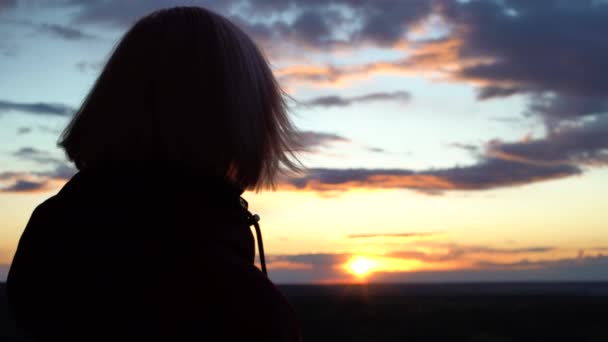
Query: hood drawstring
[[253, 219]]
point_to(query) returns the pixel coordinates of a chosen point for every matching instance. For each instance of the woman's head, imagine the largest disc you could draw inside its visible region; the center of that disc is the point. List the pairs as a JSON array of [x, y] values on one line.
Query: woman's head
[[186, 85]]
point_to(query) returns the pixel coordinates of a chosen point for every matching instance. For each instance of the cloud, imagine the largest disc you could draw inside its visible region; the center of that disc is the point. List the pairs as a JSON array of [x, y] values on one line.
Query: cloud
[[306, 268], [564, 270], [121, 14], [581, 144], [552, 46], [446, 262], [340, 101], [312, 141], [450, 252], [552, 52], [557, 108], [6, 5], [489, 173], [65, 32], [38, 156], [24, 130], [84, 66], [467, 147], [489, 92], [4, 268], [32, 182], [391, 235], [37, 108], [21, 185], [571, 144], [312, 24], [375, 149]]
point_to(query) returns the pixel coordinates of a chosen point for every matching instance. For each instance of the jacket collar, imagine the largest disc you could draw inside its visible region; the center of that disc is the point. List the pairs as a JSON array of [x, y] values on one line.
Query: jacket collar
[[163, 176]]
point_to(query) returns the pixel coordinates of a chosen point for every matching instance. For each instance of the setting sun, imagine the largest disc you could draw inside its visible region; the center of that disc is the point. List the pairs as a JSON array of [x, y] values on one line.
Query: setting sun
[[361, 266]]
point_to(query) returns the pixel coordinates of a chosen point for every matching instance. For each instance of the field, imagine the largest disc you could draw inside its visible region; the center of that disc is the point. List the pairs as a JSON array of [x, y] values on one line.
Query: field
[[447, 312]]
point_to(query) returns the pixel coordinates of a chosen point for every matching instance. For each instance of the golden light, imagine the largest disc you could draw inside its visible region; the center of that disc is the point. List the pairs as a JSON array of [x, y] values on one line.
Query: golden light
[[361, 266]]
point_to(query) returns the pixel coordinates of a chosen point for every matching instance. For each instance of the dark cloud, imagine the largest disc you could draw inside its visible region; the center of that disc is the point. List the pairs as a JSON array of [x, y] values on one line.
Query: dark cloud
[[553, 51], [38, 108], [124, 13], [306, 268], [65, 32], [327, 267], [536, 264], [447, 252], [4, 268], [316, 24], [556, 108], [27, 152], [312, 141], [84, 66], [456, 252], [340, 101], [390, 235], [24, 130], [312, 27], [552, 46], [489, 92], [583, 143], [376, 149], [564, 270], [6, 5], [486, 174], [27, 182], [315, 259], [21, 185], [319, 25], [38, 156], [467, 147]]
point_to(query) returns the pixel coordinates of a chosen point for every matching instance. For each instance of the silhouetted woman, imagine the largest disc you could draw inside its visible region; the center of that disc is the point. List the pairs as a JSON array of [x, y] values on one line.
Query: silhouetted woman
[[150, 239]]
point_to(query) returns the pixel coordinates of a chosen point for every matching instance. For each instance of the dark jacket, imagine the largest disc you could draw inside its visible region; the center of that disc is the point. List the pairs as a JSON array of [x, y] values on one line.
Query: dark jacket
[[158, 252]]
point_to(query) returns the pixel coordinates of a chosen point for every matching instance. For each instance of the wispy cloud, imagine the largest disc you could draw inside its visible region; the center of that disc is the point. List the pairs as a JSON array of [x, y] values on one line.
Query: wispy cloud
[[65, 32], [392, 235], [438, 261], [442, 252], [32, 182], [341, 101], [24, 130], [84, 66], [38, 156], [312, 141], [487, 174], [37, 108]]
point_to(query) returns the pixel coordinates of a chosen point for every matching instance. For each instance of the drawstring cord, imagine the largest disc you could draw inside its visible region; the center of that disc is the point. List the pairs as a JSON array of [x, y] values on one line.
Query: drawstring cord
[[253, 219]]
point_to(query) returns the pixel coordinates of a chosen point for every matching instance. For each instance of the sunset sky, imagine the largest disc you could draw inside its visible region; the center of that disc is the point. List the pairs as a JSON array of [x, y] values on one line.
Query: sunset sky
[[446, 140]]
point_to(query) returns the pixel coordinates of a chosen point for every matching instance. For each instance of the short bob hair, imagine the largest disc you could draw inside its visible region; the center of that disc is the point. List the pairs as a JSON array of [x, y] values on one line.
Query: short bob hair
[[186, 85]]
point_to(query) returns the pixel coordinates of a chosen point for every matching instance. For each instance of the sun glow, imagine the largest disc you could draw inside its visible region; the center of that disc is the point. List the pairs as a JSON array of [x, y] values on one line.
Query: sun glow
[[361, 266]]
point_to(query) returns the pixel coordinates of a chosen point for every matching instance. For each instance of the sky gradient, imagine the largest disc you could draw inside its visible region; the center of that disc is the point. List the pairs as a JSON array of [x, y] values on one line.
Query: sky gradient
[[445, 140]]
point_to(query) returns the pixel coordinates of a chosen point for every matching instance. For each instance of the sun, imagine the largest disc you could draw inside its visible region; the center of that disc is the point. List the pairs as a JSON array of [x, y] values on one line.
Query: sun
[[361, 266]]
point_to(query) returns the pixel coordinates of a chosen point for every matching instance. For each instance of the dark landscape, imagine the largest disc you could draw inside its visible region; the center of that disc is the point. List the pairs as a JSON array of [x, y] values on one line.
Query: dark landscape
[[439, 312]]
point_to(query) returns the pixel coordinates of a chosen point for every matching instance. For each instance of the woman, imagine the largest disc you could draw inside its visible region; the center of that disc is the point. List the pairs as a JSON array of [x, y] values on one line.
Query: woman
[[150, 239]]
